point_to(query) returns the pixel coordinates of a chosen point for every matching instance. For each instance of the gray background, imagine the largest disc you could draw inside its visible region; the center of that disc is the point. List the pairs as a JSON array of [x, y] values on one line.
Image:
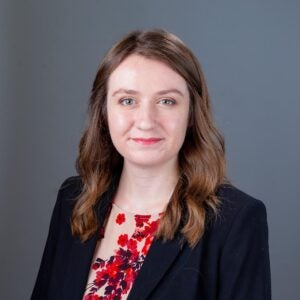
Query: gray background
[[49, 53]]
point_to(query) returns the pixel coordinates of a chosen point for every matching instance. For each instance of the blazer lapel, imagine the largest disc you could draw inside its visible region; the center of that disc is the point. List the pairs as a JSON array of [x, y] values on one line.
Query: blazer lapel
[[81, 255], [80, 258], [159, 259]]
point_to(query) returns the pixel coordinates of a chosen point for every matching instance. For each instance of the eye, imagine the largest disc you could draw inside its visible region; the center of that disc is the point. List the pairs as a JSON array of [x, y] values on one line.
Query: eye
[[168, 101], [126, 101]]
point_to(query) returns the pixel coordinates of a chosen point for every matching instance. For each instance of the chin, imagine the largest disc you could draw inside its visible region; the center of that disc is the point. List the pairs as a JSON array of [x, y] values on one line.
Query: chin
[[145, 161]]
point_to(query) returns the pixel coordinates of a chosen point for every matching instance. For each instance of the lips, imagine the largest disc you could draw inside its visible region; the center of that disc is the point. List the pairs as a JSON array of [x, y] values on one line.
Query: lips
[[148, 141]]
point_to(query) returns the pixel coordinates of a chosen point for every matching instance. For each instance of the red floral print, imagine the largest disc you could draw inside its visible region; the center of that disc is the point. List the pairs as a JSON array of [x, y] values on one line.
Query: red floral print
[[132, 245], [92, 297], [140, 219], [120, 219], [147, 245], [117, 274], [123, 240]]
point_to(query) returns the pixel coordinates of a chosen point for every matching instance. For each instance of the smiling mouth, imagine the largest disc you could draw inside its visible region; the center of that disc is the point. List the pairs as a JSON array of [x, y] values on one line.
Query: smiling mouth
[[149, 141]]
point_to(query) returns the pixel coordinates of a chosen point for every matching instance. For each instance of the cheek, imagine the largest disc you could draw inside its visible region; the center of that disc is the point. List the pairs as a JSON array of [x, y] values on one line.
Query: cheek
[[117, 123], [177, 125]]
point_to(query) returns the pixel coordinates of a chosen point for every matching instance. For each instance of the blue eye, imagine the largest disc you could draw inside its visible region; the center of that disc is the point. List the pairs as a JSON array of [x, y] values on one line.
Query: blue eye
[[168, 101], [126, 101]]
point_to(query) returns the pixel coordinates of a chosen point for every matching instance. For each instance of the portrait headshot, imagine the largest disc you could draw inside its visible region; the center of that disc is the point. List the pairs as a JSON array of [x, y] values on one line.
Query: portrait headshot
[[151, 213], [146, 158]]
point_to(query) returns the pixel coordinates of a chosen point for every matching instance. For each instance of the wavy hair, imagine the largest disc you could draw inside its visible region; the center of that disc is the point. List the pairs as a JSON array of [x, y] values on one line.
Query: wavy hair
[[201, 159]]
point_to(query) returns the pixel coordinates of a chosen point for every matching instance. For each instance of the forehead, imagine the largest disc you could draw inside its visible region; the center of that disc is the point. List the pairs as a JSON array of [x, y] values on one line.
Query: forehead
[[141, 73]]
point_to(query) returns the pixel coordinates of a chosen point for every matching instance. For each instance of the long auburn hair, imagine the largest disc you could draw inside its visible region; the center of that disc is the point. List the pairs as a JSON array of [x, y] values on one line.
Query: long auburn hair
[[201, 159]]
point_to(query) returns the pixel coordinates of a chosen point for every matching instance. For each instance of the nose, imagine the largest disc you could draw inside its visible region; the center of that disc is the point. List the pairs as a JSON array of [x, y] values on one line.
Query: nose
[[145, 118]]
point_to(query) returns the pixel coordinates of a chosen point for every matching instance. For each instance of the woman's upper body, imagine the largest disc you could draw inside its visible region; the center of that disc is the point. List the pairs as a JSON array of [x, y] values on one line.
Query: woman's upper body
[[151, 146], [230, 262]]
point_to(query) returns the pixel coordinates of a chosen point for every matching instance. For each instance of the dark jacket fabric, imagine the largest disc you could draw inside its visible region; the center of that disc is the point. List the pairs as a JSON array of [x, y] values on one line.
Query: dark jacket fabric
[[230, 262]]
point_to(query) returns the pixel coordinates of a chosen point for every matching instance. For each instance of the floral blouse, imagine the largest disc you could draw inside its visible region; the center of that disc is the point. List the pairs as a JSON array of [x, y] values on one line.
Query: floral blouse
[[119, 254]]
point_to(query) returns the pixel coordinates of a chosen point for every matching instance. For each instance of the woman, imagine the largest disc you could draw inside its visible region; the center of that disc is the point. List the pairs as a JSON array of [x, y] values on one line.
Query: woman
[[151, 214]]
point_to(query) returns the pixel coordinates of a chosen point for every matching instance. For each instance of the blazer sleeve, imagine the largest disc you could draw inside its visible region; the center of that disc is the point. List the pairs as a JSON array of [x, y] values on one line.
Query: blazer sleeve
[[245, 264], [43, 277]]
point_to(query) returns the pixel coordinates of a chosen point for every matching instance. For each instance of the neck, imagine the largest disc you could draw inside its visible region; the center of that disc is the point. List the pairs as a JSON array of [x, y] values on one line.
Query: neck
[[146, 189]]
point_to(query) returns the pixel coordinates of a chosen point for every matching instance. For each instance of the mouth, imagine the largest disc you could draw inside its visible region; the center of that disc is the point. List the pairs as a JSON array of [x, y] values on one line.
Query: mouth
[[149, 141]]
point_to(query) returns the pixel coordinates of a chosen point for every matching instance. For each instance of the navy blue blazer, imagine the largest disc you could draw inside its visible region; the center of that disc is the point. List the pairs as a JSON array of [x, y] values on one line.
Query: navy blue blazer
[[230, 262]]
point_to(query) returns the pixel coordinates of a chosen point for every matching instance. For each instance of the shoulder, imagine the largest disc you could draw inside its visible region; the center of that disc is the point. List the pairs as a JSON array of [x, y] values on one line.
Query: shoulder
[[68, 192], [71, 185], [69, 189], [238, 210], [233, 200]]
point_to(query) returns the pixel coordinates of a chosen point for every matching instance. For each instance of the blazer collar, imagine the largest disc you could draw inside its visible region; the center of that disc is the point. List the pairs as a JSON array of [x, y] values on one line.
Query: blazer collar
[[158, 260]]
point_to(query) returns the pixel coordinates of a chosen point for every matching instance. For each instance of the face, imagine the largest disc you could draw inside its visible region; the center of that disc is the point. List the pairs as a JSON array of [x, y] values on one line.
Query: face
[[147, 111]]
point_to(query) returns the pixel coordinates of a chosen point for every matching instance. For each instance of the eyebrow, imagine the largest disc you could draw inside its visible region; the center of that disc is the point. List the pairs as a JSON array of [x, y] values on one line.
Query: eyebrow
[[133, 92]]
